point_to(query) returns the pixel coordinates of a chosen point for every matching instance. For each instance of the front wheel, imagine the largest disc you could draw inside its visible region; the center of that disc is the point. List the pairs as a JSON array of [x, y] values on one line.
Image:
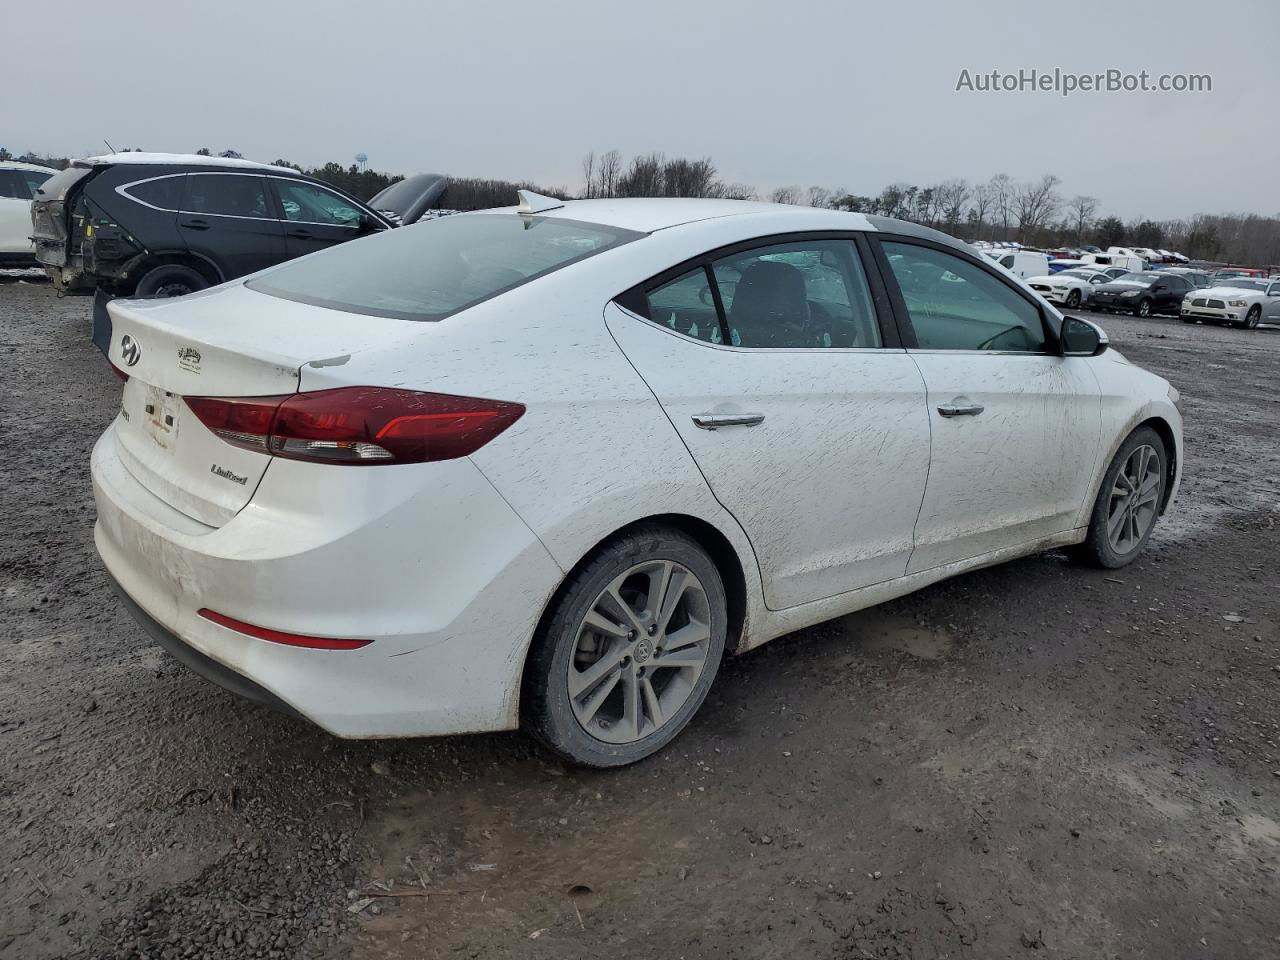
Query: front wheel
[[1144, 308], [1073, 300], [631, 649], [1128, 502], [1252, 317]]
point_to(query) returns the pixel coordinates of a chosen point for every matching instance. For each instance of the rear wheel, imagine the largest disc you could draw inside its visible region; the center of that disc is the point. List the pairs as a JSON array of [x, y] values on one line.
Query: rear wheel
[[170, 280], [630, 651], [1128, 502]]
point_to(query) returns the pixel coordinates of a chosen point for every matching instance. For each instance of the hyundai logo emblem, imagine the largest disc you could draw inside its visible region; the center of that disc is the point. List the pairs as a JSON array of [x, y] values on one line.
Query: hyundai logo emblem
[[130, 352]]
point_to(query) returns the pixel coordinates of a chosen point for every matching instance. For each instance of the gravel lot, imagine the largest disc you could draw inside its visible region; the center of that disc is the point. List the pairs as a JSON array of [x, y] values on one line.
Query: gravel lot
[[1033, 760]]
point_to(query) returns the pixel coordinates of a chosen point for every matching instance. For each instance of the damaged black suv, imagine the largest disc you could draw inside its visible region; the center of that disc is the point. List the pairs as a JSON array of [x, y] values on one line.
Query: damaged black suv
[[148, 225]]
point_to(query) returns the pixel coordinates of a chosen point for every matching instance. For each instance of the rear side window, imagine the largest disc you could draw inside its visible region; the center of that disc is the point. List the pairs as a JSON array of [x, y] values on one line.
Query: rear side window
[[955, 305], [431, 270], [227, 195], [810, 294], [165, 193], [687, 306]]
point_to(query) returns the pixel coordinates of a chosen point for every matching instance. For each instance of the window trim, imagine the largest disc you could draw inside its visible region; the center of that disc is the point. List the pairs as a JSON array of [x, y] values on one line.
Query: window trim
[[635, 299], [273, 198], [1053, 341]]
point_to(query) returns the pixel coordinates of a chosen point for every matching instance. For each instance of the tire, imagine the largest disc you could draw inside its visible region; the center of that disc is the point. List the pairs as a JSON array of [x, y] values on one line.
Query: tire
[[1143, 309], [169, 280], [652, 559], [1073, 300], [1099, 548], [1250, 321]]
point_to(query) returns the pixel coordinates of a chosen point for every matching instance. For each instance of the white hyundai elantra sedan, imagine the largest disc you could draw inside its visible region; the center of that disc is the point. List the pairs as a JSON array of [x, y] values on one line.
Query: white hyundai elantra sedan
[[544, 466]]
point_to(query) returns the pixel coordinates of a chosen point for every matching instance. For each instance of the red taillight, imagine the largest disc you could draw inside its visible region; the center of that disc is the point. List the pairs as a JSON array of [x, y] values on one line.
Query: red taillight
[[118, 372], [279, 636], [358, 425]]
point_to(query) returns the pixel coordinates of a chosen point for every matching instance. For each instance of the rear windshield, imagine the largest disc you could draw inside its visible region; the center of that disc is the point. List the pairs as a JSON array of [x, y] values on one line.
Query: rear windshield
[[431, 270]]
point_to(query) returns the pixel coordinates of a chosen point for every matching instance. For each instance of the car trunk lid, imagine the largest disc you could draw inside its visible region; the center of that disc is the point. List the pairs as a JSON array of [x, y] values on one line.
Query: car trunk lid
[[225, 342]]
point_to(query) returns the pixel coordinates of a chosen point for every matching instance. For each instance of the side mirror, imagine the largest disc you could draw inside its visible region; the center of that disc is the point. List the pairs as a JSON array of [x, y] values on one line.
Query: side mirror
[[1080, 338]]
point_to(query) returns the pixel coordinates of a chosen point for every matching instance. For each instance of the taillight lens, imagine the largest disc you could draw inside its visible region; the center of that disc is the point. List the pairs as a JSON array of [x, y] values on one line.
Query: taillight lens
[[118, 372], [358, 426]]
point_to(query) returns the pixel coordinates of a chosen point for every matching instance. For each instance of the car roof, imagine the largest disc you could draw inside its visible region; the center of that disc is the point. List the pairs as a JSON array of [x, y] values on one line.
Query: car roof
[[648, 214], [178, 159], [23, 165]]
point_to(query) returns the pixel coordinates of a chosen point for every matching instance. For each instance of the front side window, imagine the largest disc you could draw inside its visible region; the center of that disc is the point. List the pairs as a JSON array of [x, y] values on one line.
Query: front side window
[[304, 203], [808, 294], [955, 305], [431, 270], [227, 195]]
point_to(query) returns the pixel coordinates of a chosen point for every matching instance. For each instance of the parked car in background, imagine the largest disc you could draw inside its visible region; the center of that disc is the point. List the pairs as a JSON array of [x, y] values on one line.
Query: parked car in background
[[1126, 262], [1071, 288], [18, 183], [1198, 278], [1242, 302], [1142, 294], [163, 225], [545, 465], [1021, 263]]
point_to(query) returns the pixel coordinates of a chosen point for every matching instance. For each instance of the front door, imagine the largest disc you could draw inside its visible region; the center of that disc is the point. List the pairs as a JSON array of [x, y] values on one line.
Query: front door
[[1271, 306], [1015, 426], [227, 219], [770, 363]]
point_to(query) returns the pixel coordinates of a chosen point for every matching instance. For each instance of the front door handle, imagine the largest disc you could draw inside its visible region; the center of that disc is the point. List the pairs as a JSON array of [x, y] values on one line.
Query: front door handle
[[961, 410], [713, 421], [195, 224]]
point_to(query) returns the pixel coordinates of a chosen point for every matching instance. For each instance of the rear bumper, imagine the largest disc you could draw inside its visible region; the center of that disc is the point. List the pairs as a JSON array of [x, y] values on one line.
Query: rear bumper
[[426, 561], [204, 666]]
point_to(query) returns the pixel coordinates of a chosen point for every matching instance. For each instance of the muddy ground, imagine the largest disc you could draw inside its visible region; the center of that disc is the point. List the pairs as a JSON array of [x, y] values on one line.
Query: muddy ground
[[1033, 760]]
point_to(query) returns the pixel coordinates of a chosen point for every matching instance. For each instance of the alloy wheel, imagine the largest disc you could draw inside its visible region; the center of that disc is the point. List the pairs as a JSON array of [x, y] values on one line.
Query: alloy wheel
[[640, 650], [1134, 500]]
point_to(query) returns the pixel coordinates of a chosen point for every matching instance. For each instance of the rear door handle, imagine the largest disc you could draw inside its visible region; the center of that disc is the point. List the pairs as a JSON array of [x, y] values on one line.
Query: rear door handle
[[960, 410], [196, 224], [713, 421], [300, 234]]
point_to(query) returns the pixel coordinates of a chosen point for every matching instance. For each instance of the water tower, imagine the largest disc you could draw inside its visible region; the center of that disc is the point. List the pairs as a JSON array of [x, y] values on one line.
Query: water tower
[[362, 159]]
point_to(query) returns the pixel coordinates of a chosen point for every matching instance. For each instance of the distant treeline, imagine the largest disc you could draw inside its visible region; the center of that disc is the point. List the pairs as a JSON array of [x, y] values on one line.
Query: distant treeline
[[1001, 208]]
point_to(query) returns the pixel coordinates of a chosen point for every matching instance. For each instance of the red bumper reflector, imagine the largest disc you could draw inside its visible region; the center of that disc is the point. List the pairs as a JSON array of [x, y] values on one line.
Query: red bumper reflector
[[279, 636]]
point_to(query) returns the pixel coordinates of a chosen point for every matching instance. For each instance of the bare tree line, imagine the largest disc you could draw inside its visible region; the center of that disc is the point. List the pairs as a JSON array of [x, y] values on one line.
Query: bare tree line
[[999, 209]]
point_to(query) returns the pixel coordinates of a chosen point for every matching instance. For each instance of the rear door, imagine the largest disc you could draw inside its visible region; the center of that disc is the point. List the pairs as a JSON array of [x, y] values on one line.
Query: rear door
[[805, 416], [1015, 426], [314, 217], [228, 219]]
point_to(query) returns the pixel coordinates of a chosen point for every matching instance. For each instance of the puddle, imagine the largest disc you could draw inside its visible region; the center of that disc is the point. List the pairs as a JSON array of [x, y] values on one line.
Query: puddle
[[879, 632]]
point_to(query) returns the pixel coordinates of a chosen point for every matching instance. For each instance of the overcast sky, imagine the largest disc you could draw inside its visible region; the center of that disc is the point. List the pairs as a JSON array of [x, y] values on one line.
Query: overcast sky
[[840, 94]]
